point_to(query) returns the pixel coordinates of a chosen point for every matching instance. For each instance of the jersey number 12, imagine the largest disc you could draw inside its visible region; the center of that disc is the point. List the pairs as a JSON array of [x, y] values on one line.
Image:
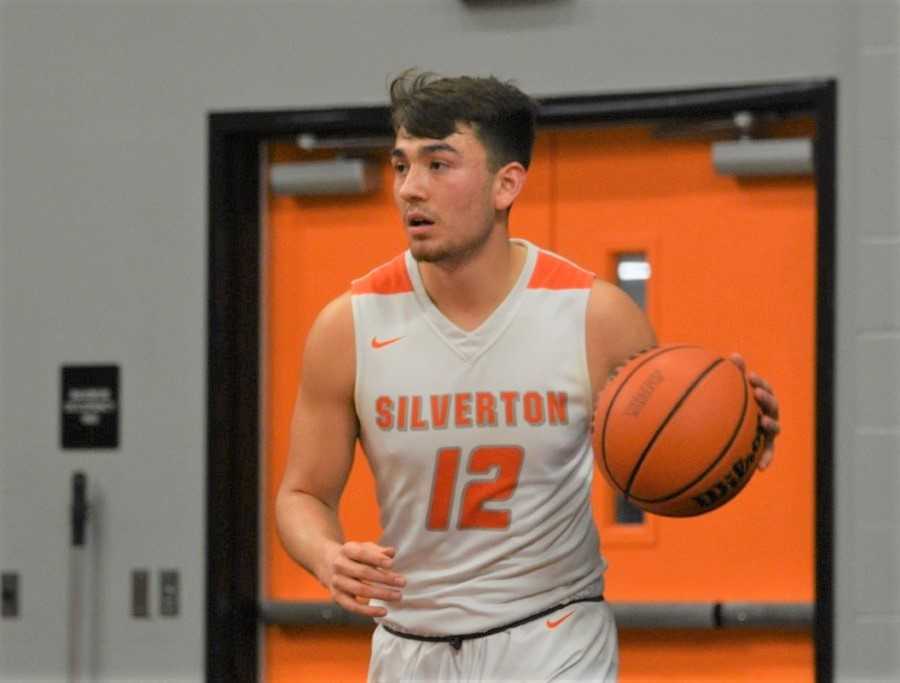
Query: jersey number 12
[[472, 514]]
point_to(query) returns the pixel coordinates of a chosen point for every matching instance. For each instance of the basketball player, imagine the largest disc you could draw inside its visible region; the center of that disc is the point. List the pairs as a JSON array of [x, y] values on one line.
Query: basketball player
[[467, 367]]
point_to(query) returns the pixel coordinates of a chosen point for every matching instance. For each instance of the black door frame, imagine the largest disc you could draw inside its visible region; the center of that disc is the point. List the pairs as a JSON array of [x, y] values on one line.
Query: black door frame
[[235, 142]]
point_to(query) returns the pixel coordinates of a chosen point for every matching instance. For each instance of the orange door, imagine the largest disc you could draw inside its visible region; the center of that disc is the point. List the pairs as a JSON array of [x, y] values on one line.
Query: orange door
[[732, 269], [315, 248]]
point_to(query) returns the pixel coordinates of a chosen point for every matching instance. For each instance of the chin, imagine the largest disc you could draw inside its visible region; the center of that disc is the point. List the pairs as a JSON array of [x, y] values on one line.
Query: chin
[[428, 253]]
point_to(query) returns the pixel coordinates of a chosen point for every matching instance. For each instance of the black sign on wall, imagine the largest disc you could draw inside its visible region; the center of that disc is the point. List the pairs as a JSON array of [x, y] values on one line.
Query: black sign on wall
[[89, 405]]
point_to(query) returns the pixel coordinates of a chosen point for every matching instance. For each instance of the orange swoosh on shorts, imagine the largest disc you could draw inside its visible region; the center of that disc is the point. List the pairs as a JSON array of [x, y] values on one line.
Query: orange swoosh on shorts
[[554, 624], [378, 344]]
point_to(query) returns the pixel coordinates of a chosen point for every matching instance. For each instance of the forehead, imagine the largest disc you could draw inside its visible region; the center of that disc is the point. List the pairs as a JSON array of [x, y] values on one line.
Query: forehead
[[463, 140]]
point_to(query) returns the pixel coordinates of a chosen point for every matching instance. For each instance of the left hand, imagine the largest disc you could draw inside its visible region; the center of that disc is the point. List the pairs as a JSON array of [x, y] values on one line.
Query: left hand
[[768, 404]]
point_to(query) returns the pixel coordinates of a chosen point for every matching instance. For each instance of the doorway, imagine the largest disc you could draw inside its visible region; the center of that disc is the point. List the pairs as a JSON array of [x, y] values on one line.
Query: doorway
[[572, 207]]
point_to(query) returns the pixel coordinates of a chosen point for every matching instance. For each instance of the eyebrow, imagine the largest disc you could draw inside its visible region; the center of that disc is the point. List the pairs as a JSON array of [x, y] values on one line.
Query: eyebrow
[[428, 149]]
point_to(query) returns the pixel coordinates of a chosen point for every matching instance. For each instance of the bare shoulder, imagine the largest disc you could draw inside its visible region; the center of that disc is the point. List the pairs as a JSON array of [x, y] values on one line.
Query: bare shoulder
[[616, 329], [329, 359]]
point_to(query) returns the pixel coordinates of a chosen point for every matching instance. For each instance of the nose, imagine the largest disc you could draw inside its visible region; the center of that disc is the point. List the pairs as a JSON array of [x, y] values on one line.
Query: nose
[[412, 185]]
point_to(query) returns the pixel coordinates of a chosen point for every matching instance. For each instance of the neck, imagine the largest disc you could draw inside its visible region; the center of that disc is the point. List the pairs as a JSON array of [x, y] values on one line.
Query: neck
[[467, 292]]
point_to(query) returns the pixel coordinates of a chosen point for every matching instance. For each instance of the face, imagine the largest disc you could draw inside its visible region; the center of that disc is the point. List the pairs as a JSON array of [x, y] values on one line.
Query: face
[[446, 194]]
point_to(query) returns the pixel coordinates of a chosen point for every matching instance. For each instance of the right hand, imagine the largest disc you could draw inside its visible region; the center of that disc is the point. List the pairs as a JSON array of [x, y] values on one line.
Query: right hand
[[357, 572]]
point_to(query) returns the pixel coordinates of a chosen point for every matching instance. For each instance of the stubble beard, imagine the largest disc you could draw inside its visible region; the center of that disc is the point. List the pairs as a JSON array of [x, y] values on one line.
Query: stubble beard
[[452, 254], [449, 254]]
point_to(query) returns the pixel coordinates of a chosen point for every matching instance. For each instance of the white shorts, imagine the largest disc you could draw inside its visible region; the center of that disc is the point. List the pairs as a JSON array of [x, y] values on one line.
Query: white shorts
[[575, 643]]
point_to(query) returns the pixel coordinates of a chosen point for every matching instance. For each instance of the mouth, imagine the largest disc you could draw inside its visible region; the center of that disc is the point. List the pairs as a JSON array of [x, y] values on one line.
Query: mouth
[[418, 222]]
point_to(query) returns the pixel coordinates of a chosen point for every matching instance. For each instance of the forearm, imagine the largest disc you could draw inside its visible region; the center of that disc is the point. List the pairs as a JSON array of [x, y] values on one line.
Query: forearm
[[309, 529]]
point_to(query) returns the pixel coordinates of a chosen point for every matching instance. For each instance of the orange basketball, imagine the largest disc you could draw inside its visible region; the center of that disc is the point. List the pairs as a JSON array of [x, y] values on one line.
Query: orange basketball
[[676, 430]]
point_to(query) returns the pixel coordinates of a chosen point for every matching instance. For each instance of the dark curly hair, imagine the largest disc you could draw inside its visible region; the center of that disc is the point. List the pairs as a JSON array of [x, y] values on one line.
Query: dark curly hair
[[502, 116]]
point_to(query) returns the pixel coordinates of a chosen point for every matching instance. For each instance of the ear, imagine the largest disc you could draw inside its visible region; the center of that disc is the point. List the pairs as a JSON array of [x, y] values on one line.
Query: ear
[[508, 183]]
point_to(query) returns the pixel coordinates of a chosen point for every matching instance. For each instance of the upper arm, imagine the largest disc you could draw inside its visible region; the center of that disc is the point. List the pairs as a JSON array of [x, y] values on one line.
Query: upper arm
[[324, 427], [616, 330]]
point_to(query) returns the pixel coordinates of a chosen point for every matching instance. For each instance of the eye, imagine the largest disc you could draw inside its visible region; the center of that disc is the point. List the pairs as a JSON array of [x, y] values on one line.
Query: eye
[[437, 165], [399, 167]]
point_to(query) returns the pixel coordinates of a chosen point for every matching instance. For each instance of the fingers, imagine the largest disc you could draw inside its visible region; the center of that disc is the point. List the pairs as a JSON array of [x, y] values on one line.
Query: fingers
[[361, 572], [766, 458], [358, 606], [355, 595], [767, 402], [760, 386], [371, 562], [769, 410], [738, 360], [370, 553]]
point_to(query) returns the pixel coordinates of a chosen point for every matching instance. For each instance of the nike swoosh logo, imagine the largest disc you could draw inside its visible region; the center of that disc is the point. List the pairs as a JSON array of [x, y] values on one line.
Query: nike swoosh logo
[[380, 344], [554, 624]]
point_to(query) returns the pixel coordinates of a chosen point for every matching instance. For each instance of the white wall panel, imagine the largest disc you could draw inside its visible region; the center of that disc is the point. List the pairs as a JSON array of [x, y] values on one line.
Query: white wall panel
[[878, 657], [878, 293], [878, 147], [879, 387], [876, 570], [877, 475]]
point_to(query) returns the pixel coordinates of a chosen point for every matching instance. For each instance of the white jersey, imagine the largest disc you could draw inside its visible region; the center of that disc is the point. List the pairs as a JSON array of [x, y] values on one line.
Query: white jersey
[[480, 445]]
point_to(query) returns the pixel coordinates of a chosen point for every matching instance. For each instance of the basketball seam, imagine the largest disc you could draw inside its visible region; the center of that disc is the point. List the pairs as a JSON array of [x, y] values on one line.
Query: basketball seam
[[665, 422], [615, 396], [716, 461]]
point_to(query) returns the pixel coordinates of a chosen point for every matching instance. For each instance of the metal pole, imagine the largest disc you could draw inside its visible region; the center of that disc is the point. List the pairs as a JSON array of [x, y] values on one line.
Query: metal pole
[[78, 519]]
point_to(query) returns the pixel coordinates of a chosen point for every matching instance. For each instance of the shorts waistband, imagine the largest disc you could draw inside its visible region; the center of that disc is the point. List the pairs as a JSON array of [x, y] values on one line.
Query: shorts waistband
[[456, 641]]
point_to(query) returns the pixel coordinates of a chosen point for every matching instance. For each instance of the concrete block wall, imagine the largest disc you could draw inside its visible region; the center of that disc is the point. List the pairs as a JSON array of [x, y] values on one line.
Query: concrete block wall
[[103, 112], [867, 570]]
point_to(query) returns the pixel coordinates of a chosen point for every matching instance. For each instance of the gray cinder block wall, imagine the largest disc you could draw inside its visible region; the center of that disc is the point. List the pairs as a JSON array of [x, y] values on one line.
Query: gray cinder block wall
[[102, 257]]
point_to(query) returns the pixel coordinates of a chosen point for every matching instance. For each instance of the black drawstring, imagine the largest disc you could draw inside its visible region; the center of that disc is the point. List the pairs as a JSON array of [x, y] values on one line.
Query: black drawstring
[[457, 641]]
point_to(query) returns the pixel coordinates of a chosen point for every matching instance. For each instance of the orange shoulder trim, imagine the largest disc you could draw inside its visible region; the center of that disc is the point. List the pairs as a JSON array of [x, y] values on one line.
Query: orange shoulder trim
[[554, 272], [388, 278]]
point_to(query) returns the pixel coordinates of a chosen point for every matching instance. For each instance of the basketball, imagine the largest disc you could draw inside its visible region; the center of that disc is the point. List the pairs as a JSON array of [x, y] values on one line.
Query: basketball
[[676, 431]]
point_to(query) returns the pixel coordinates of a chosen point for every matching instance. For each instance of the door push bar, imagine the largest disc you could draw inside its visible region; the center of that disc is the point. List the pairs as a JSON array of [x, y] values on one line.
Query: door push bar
[[629, 615]]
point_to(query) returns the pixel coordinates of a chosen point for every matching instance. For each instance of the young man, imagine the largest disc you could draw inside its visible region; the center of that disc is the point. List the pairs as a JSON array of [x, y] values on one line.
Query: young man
[[467, 367]]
